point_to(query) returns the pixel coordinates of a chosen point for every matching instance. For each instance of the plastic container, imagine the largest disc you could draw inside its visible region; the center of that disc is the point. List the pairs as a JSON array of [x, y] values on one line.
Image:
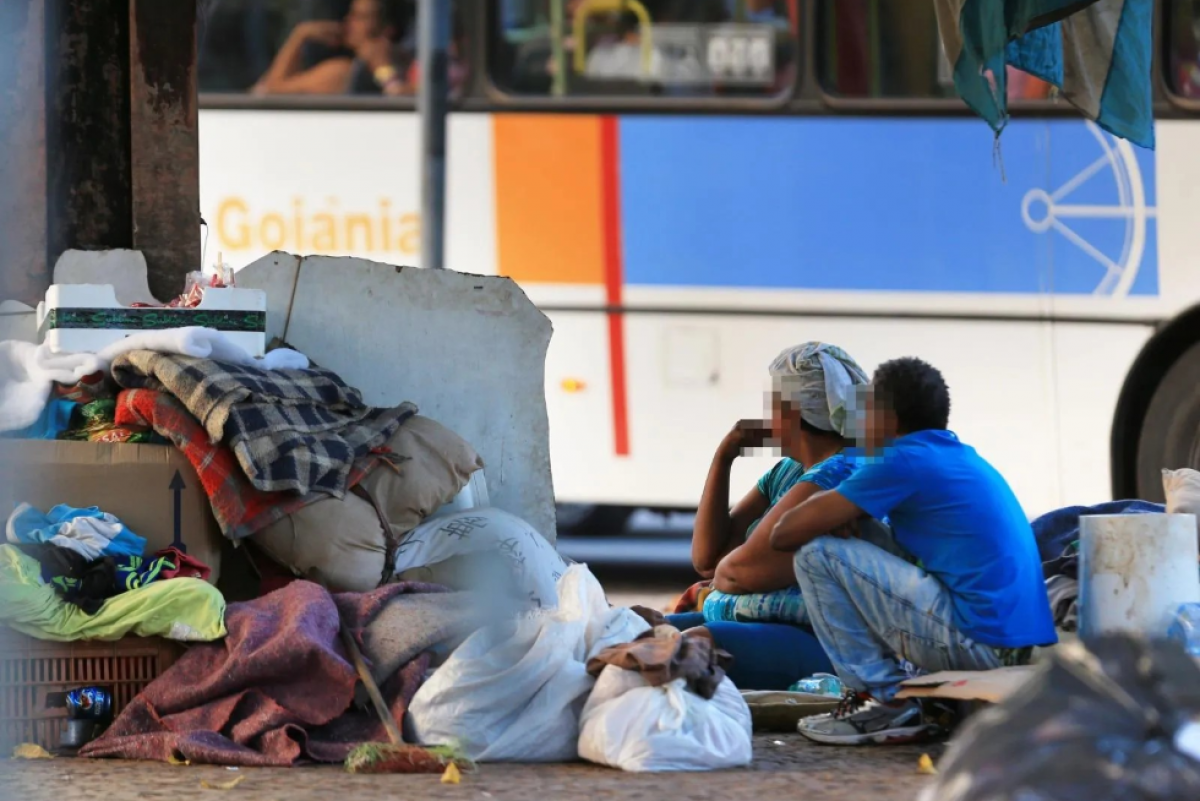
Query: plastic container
[[1185, 628], [819, 684], [31, 670], [86, 318], [1135, 571]]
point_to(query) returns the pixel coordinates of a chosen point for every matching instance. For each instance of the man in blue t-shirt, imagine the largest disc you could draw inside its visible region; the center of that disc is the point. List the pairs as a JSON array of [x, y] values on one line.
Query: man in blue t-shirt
[[974, 599]]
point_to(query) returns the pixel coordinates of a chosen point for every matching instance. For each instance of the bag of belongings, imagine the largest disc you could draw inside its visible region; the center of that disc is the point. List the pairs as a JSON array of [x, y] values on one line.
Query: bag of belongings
[[1118, 722], [514, 692], [345, 543]]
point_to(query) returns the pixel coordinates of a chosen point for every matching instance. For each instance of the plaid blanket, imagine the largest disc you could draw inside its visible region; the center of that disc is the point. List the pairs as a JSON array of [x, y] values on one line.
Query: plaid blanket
[[297, 430], [240, 509]]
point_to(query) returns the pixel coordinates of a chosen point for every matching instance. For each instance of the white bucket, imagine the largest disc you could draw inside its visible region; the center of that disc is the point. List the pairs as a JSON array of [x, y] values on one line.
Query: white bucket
[[1134, 571]]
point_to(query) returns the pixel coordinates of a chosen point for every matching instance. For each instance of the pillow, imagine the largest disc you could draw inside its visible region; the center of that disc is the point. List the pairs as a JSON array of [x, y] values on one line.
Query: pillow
[[339, 543], [433, 465]]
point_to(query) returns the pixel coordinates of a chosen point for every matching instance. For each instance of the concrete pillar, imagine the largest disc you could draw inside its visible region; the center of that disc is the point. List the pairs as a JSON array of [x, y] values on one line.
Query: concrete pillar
[[164, 142], [22, 150], [98, 144]]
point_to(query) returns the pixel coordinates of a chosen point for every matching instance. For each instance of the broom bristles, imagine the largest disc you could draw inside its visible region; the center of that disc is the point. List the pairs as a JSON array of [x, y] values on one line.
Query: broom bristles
[[385, 758]]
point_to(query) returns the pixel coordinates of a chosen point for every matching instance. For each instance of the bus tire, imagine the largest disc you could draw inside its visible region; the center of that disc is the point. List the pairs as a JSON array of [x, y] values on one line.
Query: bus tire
[[1170, 435]]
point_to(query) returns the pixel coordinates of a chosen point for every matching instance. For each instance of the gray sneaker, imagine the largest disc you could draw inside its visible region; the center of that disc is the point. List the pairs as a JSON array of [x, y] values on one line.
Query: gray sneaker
[[860, 720]]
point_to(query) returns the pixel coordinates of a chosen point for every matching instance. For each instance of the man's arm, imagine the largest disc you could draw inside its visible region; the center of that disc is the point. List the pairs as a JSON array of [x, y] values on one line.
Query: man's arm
[[822, 513], [754, 566]]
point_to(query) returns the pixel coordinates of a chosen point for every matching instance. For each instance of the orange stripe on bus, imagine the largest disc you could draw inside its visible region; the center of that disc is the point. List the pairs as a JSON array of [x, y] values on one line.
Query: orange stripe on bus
[[549, 214]]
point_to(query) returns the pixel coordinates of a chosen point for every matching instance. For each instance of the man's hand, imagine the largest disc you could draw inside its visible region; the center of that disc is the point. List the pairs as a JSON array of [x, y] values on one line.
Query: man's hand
[[847, 531], [746, 434], [850, 529], [826, 512]]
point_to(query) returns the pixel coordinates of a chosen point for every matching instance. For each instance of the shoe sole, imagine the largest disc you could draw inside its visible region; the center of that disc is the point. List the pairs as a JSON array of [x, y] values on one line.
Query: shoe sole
[[909, 734]]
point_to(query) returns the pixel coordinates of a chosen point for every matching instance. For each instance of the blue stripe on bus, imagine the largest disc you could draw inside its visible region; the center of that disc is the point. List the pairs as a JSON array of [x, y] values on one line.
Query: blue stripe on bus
[[892, 204]]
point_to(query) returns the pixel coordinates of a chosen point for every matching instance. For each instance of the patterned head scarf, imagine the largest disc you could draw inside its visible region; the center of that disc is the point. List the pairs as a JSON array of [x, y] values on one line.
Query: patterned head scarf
[[819, 380]]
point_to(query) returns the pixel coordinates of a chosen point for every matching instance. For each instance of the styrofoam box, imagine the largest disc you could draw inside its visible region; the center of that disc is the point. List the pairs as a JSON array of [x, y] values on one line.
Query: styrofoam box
[[87, 317]]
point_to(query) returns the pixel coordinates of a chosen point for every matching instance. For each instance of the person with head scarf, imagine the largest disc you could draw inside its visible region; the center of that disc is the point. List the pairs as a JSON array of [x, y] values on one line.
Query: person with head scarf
[[812, 404], [750, 603]]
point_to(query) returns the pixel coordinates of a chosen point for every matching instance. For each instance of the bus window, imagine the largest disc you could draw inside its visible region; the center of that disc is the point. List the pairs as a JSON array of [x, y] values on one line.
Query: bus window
[[1182, 39], [671, 48], [891, 49], [317, 47]]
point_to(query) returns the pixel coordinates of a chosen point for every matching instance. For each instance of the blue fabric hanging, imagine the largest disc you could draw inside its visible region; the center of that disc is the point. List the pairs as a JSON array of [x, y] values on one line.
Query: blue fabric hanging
[[1097, 52]]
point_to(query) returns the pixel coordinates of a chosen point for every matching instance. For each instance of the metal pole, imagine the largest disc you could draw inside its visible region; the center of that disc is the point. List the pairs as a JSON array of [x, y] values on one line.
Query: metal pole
[[433, 47]]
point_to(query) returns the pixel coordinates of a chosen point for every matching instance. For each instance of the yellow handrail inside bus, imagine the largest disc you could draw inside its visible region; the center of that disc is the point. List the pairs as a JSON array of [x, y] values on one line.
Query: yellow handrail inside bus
[[591, 7]]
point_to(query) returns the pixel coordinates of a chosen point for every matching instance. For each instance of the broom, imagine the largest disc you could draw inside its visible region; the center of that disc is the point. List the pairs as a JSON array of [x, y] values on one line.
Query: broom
[[398, 756]]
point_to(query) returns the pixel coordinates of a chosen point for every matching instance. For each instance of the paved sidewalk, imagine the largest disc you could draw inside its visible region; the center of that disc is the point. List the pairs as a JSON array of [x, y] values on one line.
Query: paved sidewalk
[[785, 767]]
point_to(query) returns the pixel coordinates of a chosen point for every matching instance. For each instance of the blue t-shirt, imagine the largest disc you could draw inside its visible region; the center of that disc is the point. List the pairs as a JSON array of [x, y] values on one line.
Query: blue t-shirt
[[957, 514], [787, 473]]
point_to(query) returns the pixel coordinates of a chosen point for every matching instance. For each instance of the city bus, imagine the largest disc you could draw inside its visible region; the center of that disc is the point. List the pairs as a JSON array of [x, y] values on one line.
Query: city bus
[[687, 188]]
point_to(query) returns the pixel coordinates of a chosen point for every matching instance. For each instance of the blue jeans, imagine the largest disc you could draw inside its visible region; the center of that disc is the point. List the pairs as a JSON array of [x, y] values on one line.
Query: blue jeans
[[871, 608], [766, 656]]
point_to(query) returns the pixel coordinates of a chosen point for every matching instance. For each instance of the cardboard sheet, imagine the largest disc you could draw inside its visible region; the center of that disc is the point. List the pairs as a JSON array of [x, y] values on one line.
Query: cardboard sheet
[[992, 686], [151, 488]]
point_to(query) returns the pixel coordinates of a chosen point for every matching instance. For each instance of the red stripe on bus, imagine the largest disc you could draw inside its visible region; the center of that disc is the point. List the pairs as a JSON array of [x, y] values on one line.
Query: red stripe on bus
[[610, 181]]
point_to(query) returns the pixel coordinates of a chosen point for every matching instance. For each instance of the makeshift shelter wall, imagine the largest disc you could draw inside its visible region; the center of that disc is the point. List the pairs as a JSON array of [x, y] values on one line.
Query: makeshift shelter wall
[[469, 350]]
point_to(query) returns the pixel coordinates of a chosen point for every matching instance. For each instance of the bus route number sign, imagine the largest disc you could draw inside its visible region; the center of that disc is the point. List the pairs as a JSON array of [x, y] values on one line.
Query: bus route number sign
[[740, 53]]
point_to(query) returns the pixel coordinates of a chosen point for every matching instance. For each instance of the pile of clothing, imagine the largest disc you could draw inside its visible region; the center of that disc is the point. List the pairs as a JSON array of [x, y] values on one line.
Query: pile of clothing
[[89, 556], [52, 599]]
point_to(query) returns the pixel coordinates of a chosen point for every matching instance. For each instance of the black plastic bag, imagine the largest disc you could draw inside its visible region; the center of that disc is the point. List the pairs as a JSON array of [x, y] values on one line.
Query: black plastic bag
[[1118, 721]]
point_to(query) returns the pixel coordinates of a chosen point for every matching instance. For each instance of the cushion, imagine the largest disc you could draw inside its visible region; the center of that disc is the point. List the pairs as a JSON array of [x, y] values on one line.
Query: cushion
[[433, 465], [338, 543]]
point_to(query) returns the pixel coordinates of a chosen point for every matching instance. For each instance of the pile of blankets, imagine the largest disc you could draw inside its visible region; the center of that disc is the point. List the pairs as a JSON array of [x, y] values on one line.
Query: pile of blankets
[[280, 689], [290, 430], [240, 508]]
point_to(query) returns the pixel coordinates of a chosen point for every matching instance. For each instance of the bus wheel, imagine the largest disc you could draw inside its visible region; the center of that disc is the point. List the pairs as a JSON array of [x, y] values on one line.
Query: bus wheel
[[1170, 436]]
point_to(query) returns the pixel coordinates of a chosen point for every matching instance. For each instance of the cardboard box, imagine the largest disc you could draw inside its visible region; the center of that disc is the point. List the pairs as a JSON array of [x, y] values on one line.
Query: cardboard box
[[151, 488]]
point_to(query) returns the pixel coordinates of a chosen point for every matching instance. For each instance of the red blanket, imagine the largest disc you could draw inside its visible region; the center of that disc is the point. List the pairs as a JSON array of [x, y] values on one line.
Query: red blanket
[[240, 509], [276, 691]]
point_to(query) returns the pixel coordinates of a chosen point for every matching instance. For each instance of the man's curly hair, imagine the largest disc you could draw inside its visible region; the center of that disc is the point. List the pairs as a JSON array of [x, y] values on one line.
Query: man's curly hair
[[916, 392]]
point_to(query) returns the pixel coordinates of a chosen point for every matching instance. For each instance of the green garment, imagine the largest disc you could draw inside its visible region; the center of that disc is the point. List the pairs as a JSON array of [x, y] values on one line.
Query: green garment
[[183, 609]]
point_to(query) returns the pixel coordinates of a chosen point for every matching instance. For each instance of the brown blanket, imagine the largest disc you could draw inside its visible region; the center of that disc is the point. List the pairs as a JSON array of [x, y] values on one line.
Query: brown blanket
[[278, 690]]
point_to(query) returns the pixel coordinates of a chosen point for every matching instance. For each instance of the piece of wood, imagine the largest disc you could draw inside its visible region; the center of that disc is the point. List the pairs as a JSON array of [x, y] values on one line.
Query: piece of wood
[[364, 674]]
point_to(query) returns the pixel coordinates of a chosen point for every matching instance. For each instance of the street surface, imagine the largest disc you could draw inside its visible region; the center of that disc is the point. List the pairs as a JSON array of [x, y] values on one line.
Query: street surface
[[785, 767]]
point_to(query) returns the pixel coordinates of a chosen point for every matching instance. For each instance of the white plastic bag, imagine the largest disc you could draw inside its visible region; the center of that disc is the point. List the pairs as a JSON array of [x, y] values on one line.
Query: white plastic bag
[[630, 725], [515, 692], [482, 550]]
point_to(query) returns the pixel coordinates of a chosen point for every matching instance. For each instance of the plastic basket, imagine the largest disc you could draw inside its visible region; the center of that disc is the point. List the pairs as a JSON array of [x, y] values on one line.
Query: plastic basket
[[30, 670]]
